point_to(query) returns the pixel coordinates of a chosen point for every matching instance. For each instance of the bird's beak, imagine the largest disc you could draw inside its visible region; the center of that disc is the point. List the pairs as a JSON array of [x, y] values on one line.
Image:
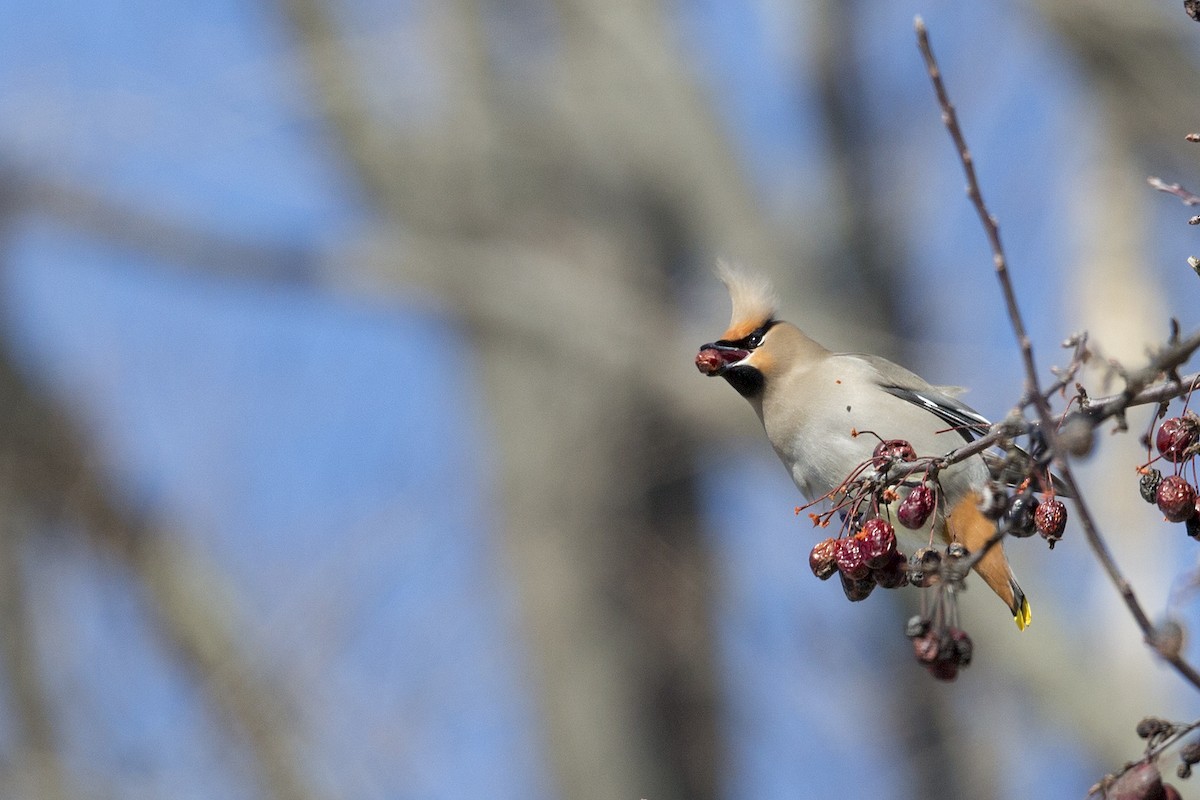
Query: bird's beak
[[714, 358]]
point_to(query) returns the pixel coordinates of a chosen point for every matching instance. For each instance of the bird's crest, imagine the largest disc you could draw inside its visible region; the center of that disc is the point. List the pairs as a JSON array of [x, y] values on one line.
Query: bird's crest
[[754, 301]]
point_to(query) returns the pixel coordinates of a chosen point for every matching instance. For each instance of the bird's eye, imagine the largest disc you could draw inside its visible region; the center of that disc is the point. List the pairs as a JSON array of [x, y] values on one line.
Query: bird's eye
[[755, 339]]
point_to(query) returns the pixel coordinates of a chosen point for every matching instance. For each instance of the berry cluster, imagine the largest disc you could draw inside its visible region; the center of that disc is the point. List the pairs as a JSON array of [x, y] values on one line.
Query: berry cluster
[[863, 561], [938, 642], [1177, 441], [941, 651], [895, 484]]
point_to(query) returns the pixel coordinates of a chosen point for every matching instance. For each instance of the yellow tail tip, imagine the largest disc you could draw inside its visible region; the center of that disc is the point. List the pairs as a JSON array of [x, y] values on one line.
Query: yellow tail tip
[[1024, 616]]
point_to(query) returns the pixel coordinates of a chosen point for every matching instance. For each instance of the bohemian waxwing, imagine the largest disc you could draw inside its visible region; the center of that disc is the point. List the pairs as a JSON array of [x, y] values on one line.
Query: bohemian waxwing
[[811, 400]]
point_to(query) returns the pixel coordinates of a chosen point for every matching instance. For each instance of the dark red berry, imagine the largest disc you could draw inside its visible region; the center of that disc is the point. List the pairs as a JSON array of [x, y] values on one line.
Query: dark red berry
[[915, 509], [823, 558], [894, 573], [1051, 519], [943, 670], [927, 647], [1176, 498], [1021, 515], [877, 542], [850, 560], [1193, 524], [1148, 485], [1142, 782], [1170, 792], [857, 589], [893, 450], [709, 361], [963, 647], [1175, 436]]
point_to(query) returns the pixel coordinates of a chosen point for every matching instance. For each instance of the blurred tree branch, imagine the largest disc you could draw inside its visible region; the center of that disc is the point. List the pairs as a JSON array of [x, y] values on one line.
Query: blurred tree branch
[[40, 771], [50, 475]]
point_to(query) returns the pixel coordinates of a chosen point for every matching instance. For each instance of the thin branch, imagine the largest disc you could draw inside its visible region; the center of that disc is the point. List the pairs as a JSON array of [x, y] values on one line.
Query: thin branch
[[1186, 197], [990, 226], [43, 774], [1167, 360]]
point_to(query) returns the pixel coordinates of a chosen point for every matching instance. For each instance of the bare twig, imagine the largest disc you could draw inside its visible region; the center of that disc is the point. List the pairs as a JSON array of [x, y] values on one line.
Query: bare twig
[[990, 226], [1186, 197]]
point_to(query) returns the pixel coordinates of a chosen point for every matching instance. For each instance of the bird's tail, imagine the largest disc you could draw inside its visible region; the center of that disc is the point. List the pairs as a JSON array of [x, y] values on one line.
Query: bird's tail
[[968, 525]]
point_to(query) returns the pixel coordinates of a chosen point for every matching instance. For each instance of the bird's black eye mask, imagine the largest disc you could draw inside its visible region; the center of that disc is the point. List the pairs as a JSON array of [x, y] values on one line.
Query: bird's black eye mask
[[750, 340]]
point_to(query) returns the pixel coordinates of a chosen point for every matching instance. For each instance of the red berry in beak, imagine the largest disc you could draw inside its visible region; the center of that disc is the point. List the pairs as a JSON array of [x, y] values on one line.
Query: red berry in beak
[[1175, 436], [709, 361], [1176, 499], [915, 509]]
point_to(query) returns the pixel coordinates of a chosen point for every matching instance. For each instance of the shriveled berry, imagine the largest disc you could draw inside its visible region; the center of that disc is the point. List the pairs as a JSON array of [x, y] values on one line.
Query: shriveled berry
[[1021, 515], [1148, 485], [893, 450], [1190, 753], [916, 626], [1142, 782], [922, 567], [956, 550], [929, 558], [1176, 498], [857, 589], [1077, 435], [1184, 771], [1051, 519], [943, 670], [927, 647], [993, 500], [963, 647], [878, 542], [894, 573], [823, 558], [915, 509], [1152, 726], [1175, 436], [850, 560], [1193, 524]]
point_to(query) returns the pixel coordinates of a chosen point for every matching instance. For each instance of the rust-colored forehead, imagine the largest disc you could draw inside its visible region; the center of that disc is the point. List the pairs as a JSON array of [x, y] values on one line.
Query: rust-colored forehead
[[740, 330]]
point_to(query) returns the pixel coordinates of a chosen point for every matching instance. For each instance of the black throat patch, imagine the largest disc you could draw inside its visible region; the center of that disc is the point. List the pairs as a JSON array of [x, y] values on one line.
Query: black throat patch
[[747, 380]]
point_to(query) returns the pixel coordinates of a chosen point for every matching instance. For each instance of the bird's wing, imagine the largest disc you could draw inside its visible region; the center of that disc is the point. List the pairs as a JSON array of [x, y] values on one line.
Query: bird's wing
[[899, 382], [1011, 468]]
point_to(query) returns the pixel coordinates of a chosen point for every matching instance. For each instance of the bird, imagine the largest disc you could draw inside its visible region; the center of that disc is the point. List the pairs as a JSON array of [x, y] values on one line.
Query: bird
[[815, 406]]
